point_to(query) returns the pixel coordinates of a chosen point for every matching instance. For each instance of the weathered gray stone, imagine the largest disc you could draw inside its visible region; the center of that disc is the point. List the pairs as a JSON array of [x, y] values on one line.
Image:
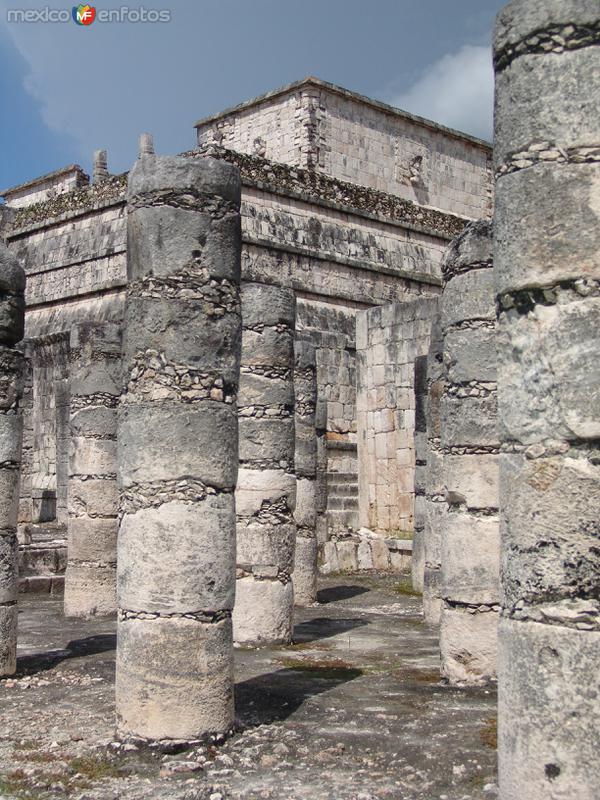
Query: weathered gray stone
[[8, 639], [266, 439], [264, 544], [267, 306], [470, 556], [469, 296], [305, 572], [94, 539], [471, 480], [470, 355], [548, 700], [469, 421], [8, 567], [263, 612], [417, 560], [468, 644]]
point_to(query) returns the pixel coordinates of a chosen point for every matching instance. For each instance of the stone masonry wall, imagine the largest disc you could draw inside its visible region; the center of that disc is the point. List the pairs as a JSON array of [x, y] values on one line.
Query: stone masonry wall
[[389, 339]]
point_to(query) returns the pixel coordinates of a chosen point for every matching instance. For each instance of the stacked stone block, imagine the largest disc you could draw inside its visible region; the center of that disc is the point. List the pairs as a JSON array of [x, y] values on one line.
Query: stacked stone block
[[12, 367], [95, 381], [418, 550], [469, 442], [266, 491], [178, 450], [435, 502], [547, 279], [321, 479], [305, 461]]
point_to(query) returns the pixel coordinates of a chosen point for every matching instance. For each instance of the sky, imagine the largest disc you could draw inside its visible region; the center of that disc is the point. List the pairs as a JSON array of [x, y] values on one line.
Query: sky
[[67, 89]]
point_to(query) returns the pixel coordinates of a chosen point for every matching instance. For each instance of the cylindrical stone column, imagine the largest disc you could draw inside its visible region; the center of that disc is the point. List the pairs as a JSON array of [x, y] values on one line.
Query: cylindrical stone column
[[304, 577], [93, 501], [418, 550], [178, 450], [12, 369], [321, 482], [469, 441], [435, 504], [547, 279], [266, 491]]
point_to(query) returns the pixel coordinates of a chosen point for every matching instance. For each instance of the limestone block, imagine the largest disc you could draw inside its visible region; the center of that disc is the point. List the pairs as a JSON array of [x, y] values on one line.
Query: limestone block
[[269, 347], [254, 487], [435, 520], [472, 480], [306, 447], [94, 421], [265, 545], [549, 527], [175, 678], [432, 599], [8, 640], [9, 498], [90, 590], [549, 715], [562, 116], [470, 355], [552, 239], [305, 571], [347, 556], [541, 394], [263, 612], [262, 390], [208, 176], [469, 421], [434, 473], [470, 558], [472, 246], [266, 440], [93, 497], [171, 240], [164, 550], [469, 296], [143, 429], [185, 332], [329, 558], [11, 426], [364, 554], [305, 512], [93, 539], [468, 645], [418, 560], [267, 305], [101, 376], [92, 456], [9, 550]]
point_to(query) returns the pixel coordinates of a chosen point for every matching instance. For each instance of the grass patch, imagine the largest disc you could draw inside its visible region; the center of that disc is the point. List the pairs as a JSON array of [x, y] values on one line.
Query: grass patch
[[489, 733], [36, 757], [314, 645], [404, 586], [328, 669], [418, 675], [399, 534], [94, 768]]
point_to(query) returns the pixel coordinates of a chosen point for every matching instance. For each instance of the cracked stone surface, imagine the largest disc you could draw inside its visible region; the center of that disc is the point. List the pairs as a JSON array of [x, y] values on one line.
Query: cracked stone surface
[[353, 710]]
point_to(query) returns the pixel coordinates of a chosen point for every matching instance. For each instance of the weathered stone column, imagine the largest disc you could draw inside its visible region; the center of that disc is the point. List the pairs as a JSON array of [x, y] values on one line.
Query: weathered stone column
[[178, 450], [266, 492], [321, 481], [547, 274], [435, 504], [93, 502], [469, 440], [12, 368], [418, 551], [305, 460]]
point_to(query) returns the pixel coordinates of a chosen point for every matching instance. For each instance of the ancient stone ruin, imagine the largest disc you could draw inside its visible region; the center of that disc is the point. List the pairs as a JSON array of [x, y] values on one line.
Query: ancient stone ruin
[[332, 338]]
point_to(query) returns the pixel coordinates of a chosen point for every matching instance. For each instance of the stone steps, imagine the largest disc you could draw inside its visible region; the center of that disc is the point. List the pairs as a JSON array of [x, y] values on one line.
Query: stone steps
[[43, 559], [347, 503]]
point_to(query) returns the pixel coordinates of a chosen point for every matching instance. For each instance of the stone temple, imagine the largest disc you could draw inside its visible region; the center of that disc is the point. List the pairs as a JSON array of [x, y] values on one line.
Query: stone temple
[[330, 337]]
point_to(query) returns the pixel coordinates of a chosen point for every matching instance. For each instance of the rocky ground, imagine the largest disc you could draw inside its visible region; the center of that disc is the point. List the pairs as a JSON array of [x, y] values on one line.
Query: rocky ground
[[353, 710]]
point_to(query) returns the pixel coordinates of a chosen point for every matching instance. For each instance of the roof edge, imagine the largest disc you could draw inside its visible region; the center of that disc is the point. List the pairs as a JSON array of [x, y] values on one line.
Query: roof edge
[[311, 80], [43, 178]]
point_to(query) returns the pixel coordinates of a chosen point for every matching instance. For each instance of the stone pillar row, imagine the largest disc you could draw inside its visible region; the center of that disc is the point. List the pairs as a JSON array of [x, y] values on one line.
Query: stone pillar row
[[547, 283], [305, 390], [266, 491], [434, 502], [469, 445], [12, 371], [93, 501], [418, 551], [178, 450]]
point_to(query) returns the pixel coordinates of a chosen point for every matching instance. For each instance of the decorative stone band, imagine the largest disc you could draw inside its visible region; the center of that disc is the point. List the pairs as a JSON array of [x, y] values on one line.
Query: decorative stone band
[[189, 199], [525, 300], [544, 152], [551, 39]]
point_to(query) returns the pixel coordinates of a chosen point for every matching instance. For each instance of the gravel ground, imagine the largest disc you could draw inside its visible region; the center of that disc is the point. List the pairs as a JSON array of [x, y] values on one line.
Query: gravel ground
[[353, 710]]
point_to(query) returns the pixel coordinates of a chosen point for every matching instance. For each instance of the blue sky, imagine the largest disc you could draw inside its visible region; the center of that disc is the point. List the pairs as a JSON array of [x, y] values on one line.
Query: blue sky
[[67, 90]]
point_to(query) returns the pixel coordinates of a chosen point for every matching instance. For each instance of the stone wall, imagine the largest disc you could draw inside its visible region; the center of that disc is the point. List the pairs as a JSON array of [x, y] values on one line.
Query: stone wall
[[389, 339]]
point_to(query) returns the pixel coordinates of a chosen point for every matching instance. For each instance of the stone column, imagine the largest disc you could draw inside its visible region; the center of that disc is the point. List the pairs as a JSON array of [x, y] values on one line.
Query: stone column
[[469, 440], [12, 367], [266, 492], [435, 505], [547, 279], [93, 503], [178, 450], [305, 391], [418, 551], [321, 482]]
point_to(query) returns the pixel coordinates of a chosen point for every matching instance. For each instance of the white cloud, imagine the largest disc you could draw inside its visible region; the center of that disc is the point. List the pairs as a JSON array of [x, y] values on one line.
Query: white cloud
[[457, 91]]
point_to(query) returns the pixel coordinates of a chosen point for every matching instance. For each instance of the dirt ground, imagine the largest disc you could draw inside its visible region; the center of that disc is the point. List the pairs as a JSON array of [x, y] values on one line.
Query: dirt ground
[[353, 710]]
